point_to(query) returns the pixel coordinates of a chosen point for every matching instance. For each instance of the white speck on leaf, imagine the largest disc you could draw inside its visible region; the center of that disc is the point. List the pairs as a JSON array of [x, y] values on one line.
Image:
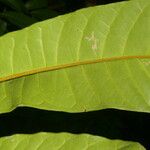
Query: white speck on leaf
[[146, 63], [93, 40]]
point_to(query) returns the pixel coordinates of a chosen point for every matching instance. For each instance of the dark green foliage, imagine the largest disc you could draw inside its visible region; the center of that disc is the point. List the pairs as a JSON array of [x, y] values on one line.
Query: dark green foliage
[[17, 14], [3, 27]]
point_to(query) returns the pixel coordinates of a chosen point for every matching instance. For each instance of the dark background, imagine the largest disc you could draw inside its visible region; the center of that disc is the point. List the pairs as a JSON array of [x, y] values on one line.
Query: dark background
[[17, 14], [110, 123]]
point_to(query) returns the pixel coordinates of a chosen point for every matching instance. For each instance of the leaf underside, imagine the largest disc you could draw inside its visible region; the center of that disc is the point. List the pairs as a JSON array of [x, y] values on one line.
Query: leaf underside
[[103, 32], [64, 141], [91, 59]]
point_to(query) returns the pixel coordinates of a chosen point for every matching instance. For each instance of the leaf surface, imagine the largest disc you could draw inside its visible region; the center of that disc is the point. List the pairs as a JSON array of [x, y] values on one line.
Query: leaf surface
[[94, 58], [64, 141]]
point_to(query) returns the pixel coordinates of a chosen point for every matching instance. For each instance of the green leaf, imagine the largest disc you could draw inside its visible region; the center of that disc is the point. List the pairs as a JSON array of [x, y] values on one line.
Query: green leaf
[[64, 141], [91, 59], [14, 4], [19, 19]]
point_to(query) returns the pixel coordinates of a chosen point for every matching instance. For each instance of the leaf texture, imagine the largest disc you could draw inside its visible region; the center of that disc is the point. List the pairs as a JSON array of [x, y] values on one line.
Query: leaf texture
[[64, 141], [91, 59]]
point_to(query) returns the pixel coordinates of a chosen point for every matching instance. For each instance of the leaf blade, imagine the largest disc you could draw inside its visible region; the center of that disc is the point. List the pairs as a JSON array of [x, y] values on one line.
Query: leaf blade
[[122, 84], [64, 141]]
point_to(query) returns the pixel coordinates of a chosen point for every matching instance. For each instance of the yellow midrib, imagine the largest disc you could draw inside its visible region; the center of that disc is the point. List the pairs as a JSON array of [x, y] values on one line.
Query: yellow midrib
[[86, 62]]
